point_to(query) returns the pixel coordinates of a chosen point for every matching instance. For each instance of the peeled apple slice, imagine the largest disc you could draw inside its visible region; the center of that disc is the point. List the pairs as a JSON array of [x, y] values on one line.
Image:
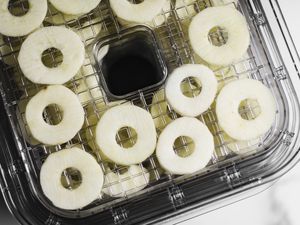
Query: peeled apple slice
[[126, 116], [144, 12], [75, 7], [120, 185], [232, 22], [21, 107], [228, 104], [191, 106], [15, 26], [51, 37], [157, 21], [160, 111], [72, 116], [203, 146], [93, 119], [90, 171], [243, 147]]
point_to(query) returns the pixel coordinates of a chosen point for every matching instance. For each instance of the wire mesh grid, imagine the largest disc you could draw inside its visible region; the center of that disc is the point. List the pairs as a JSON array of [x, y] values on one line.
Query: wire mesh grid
[[177, 51]]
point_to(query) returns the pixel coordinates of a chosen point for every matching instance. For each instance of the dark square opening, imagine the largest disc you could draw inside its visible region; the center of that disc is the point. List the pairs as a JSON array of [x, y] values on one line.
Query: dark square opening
[[130, 62]]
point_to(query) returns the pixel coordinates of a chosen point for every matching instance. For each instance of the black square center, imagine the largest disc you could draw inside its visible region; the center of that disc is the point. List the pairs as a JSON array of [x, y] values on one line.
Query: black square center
[[130, 62]]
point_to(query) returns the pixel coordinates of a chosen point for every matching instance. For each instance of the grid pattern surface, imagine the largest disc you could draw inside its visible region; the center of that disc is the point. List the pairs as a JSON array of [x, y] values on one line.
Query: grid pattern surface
[[173, 37]]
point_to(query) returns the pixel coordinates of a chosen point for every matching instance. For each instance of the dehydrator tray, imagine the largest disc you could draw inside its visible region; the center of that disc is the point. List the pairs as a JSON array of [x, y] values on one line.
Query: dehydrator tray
[[235, 166]]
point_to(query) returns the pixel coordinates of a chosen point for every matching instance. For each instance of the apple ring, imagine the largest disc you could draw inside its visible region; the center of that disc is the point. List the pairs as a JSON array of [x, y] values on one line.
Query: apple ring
[[228, 19], [15, 26], [76, 7], [144, 12], [72, 119], [90, 171], [191, 106], [203, 146], [229, 101], [126, 116], [51, 37]]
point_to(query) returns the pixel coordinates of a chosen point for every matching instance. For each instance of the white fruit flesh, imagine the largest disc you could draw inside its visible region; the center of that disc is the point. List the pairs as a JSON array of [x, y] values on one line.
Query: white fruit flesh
[[91, 174], [160, 110], [51, 37], [143, 12], [14, 26], [191, 106], [20, 112], [72, 118], [75, 7], [120, 185], [203, 146], [227, 109], [126, 116], [232, 22], [93, 119]]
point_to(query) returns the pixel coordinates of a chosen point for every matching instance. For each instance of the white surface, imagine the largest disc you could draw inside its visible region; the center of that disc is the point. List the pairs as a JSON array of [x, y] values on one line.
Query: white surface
[[276, 206], [290, 9], [279, 204]]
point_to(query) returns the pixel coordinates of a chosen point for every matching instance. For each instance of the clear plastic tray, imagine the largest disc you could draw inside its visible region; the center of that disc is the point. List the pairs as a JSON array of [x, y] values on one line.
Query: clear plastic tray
[[234, 167]]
